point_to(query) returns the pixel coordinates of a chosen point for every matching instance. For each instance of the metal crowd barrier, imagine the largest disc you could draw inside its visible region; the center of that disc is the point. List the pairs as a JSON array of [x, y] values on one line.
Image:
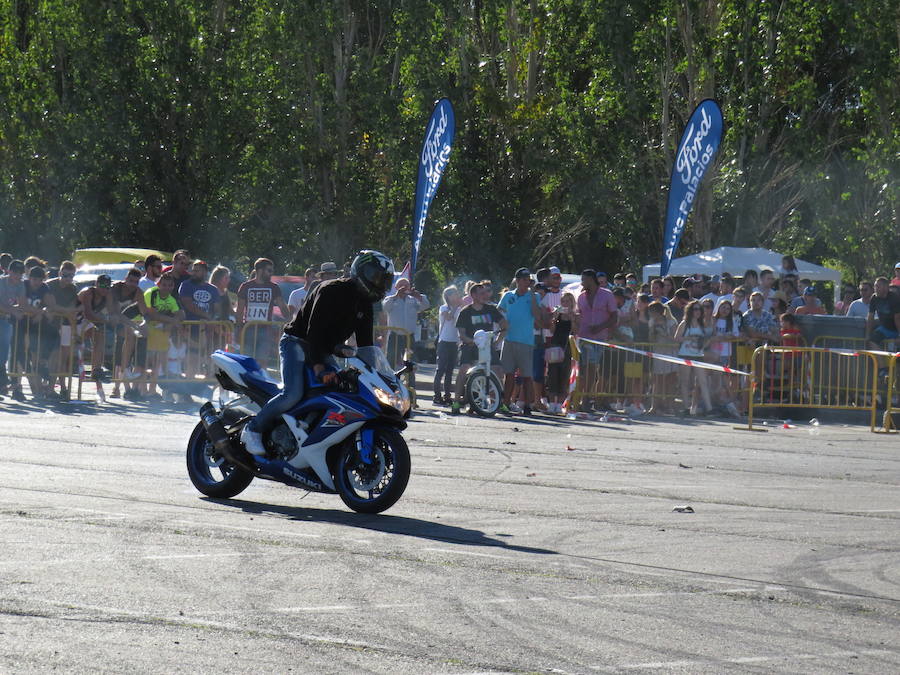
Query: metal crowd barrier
[[144, 355], [838, 342], [810, 377], [612, 374], [42, 351], [892, 399], [260, 339]]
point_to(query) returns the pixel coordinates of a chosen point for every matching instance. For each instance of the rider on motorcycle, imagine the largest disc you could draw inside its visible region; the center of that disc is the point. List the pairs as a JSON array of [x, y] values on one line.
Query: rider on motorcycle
[[333, 311]]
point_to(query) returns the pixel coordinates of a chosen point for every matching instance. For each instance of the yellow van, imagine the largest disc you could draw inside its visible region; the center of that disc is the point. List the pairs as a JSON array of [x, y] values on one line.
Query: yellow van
[[106, 256]]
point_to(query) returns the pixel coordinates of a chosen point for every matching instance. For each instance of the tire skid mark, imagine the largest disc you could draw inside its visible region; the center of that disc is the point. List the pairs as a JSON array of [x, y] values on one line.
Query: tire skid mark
[[631, 565]]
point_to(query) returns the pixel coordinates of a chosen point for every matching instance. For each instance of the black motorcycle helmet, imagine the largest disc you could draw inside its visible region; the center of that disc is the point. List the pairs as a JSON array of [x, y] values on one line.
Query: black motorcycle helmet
[[375, 271]]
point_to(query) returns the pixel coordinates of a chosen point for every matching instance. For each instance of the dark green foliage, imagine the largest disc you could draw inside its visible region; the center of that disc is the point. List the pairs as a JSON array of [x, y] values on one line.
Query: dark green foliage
[[291, 128]]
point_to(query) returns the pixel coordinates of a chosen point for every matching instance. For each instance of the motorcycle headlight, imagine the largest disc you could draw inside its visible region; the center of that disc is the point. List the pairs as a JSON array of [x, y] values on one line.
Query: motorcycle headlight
[[392, 400]]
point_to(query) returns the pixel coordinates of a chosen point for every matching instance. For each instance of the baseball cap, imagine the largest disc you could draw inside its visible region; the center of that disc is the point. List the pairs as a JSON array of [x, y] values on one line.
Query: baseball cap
[[809, 290], [202, 263], [104, 281], [555, 270], [601, 274], [523, 273], [328, 267]]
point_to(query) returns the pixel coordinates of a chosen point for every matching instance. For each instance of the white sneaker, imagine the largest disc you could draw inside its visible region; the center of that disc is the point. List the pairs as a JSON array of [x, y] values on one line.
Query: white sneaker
[[634, 411], [252, 440], [515, 408]]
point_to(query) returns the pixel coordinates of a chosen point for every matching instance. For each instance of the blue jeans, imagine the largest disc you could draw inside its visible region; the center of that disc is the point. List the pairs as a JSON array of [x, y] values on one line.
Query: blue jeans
[[446, 361], [292, 376], [5, 339]]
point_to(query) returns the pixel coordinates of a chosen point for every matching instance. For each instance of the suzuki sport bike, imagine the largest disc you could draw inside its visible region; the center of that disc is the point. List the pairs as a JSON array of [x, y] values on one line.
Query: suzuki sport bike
[[342, 438]]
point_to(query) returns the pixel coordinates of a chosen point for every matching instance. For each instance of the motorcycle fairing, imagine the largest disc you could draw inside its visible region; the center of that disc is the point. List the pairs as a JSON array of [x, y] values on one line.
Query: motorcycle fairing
[[290, 475]]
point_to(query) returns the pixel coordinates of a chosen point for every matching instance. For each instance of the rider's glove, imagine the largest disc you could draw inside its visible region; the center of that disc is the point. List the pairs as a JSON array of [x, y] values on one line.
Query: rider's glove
[[328, 377]]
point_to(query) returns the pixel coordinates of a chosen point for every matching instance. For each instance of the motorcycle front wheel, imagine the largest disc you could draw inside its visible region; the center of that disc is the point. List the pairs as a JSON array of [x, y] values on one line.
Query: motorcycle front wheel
[[375, 487], [484, 393], [210, 472]]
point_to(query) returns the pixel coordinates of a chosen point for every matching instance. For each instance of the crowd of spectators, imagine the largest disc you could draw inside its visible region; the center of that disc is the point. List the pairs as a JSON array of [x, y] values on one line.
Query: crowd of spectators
[[134, 331], [698, 318], [145, 335]]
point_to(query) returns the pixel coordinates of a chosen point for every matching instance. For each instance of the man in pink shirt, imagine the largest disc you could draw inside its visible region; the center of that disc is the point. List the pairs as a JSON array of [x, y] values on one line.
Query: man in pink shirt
[[598, 315], [597, 309]]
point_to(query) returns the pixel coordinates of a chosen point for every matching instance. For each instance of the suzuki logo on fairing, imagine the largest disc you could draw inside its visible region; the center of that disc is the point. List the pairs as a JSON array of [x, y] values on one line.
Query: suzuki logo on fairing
[[300, 478]]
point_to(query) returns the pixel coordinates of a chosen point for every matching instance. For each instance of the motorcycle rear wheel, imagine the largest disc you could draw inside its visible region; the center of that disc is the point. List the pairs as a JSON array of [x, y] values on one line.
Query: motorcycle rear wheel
[[376, 487], [210, 472]]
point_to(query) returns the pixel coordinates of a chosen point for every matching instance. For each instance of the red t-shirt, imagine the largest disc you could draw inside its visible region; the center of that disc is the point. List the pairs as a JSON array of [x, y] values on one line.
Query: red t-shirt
[[791, 337], [260, 298]]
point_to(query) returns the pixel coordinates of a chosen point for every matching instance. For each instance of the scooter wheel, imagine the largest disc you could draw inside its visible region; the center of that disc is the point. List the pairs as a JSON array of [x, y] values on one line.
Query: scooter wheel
[[484, 394]]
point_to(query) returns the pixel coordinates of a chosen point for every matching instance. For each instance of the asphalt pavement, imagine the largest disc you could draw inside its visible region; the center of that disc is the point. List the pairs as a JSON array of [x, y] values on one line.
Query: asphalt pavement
[[521, 545]]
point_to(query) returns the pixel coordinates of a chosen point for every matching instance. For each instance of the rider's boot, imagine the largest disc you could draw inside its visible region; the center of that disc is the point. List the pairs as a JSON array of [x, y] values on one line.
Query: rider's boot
[[252, 440]]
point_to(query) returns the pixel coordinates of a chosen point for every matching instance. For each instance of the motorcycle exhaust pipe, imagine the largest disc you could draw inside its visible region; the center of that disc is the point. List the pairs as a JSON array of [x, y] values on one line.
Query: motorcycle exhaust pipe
[[215, 428], [221, 440]]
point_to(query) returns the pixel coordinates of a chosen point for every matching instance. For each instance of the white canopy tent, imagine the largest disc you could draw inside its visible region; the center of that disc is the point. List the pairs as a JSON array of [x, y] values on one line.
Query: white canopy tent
[[736, 261]]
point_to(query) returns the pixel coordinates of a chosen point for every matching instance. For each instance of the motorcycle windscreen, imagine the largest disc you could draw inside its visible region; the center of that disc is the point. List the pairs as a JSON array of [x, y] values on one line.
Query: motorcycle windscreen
[[374, 358]]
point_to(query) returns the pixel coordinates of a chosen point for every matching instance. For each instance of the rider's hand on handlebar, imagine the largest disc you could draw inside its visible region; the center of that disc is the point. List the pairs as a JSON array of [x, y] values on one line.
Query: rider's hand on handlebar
[[324, 376]]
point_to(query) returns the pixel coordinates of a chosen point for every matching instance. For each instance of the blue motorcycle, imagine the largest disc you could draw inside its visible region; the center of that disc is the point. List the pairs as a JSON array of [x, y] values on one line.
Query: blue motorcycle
[[343, 438]]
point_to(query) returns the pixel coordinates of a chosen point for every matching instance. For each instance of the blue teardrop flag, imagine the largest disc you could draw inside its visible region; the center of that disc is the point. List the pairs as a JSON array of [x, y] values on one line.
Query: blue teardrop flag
[[432, 161], [696, 152]]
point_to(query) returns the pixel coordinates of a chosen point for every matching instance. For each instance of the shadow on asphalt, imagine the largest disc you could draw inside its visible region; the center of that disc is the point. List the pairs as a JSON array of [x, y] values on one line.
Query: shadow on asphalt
[[410, 527]]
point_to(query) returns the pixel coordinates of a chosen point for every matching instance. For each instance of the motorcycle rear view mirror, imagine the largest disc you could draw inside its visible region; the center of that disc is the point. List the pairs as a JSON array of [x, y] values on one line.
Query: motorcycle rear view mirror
[[408, 367]]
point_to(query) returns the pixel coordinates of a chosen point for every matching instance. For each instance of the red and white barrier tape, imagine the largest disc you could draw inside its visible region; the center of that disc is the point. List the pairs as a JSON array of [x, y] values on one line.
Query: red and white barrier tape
[[834, 350], [669, 359]]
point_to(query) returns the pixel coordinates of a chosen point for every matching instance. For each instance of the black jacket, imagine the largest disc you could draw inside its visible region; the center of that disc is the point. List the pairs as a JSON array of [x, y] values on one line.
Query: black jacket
[[332, 312]]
